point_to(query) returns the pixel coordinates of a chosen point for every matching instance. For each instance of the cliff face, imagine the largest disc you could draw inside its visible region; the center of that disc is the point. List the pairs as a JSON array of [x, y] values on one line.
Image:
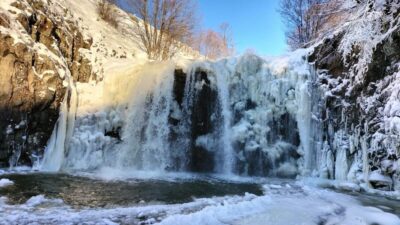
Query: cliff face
[[40, 50], [358, 74]]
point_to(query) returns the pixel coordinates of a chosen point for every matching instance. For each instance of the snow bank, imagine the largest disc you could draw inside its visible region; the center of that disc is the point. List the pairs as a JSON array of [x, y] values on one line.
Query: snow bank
[[5, 182]]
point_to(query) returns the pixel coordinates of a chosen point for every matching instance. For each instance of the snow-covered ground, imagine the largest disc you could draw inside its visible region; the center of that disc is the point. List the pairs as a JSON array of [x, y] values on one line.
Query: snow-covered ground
[[113, 48], [281, 205]]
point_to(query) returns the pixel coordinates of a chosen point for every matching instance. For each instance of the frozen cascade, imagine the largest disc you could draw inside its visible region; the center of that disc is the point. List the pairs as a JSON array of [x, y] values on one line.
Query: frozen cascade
[[207, 118], [245, 115], [304, 122], [227, 159], [146, 131], [131, 130], [55, 150]]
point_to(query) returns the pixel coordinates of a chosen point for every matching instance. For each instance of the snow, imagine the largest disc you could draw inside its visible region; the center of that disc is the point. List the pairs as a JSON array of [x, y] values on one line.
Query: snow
[[20, 36], [281, 205], [108, 40], [378, 177], [40, 200], [365, 26], [4, 182]]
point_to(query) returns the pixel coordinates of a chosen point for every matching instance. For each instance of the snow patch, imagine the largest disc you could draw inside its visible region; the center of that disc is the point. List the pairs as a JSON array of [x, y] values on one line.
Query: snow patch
[[4, 182]]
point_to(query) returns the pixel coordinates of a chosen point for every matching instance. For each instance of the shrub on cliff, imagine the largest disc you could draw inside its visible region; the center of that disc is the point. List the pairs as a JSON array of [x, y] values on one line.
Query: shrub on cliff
[[107, 12]]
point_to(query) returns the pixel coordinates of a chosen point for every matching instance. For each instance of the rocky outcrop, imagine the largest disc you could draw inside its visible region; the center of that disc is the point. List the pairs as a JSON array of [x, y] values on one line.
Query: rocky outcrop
[[39, 51], [28, 104]]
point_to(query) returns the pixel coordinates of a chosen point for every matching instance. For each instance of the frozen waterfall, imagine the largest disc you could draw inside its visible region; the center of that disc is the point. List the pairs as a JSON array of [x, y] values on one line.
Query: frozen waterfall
[[59, 141], [246, 115]]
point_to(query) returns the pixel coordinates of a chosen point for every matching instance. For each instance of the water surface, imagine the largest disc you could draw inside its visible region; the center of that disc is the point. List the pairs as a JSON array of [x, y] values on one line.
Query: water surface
[[79, 191]]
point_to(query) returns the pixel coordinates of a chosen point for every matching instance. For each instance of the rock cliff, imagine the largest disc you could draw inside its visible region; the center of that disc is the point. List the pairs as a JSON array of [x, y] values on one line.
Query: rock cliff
[[358, 80], [40, 48]]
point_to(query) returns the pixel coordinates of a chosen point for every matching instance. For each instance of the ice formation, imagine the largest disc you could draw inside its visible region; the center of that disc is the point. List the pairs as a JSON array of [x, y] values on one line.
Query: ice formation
[[59, 140], [245, 115]]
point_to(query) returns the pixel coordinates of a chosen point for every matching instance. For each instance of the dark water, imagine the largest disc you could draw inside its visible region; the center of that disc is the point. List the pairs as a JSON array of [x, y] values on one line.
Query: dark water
[[383, 203], [85, 192]]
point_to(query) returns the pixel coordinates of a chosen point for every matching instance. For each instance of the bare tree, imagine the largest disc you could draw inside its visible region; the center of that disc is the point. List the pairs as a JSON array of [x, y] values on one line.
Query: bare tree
[[306, 19], [166, 24], [227, 38], [213, 44], [293, 13]]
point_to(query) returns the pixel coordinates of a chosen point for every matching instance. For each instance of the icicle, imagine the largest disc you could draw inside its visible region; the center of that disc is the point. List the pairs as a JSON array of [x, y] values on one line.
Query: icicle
[[304, 125], [365, 161]]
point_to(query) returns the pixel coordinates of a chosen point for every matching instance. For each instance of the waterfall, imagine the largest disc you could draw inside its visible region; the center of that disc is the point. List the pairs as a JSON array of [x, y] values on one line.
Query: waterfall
[[147, 130], [245, 115], [58, 143], [228, 156], [127, 125]]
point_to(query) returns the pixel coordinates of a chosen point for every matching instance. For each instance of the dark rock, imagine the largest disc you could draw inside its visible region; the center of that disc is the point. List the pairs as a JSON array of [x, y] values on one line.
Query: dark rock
[[31, 86], [115, 133], [179, 85], [326, 56], [205, 104]]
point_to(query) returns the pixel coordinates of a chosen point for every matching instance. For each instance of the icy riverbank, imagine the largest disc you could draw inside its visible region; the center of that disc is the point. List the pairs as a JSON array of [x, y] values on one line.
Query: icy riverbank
[[282, 203]]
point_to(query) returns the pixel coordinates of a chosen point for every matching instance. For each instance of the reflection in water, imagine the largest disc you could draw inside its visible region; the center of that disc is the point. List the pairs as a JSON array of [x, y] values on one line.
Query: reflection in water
[[84, 192]]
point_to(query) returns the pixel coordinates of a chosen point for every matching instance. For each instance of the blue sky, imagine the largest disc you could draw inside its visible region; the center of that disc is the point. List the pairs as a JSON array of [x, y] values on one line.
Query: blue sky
[[256, 24]]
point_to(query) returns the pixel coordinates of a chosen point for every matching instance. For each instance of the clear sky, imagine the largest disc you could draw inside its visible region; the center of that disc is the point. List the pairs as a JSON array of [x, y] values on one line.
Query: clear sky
[[256, 24]]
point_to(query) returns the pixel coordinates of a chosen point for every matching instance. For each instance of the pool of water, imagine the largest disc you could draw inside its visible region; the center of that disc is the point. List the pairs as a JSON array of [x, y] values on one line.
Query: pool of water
[[78, 191], [181, 199]]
